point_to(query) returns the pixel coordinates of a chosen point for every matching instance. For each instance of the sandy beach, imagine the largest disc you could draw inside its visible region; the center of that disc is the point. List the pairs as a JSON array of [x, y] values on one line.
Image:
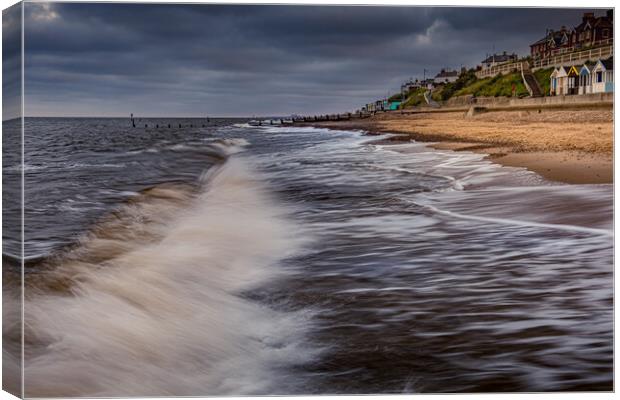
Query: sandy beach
[[572, 145]]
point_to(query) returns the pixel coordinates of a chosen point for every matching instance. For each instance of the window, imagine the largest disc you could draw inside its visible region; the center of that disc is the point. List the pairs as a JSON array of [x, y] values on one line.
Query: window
[[599, 76], [605, 33]]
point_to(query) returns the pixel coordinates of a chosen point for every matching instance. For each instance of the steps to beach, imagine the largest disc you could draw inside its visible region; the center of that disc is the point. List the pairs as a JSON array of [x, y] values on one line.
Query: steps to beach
[[429, 100], [531, 84]]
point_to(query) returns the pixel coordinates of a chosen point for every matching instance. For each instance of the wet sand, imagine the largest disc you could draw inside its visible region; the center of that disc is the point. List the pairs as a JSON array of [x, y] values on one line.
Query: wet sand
[[572, 146]]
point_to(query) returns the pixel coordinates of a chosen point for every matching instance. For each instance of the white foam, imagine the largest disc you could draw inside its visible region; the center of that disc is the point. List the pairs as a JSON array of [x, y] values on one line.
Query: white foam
[[167, 318]]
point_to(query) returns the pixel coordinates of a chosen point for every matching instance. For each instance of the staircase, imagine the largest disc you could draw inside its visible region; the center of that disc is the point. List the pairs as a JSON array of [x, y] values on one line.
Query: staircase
[[429, 100], [531, 84]]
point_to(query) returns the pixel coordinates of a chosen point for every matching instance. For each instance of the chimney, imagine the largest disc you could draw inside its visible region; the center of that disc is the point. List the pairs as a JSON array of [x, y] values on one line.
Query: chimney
[[587, 16]]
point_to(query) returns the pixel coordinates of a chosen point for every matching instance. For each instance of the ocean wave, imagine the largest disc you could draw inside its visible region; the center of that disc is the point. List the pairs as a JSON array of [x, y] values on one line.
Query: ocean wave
[[149, 302], [231, 145]]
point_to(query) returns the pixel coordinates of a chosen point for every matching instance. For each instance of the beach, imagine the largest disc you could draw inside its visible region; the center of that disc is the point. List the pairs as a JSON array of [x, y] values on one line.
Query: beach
[[564, 145]]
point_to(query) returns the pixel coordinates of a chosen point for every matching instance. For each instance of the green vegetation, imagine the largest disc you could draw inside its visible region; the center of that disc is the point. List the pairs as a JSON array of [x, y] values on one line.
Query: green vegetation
[[395, 97], [500, 85], [543, 76], [437, 93], [414, 98], [450, 89], [468, 84]]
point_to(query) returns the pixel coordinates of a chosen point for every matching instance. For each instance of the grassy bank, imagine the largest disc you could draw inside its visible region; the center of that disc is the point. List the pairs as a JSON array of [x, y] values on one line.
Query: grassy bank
[[415, 98], [543, 76], [500, 85], [469, 84]]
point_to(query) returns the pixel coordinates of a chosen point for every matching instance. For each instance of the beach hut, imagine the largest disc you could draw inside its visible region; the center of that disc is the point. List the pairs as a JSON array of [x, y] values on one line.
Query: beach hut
[[585, 78], [553, 86], [603, 76], [394, 105], [572, 79], [561, 81]]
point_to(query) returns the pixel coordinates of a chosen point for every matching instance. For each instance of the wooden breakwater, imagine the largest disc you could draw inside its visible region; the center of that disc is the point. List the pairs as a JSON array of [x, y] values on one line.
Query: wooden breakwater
[[332, 117]]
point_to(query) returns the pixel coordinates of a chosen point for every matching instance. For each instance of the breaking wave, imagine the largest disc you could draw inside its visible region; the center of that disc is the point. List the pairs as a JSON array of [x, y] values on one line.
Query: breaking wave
[[151, 301]]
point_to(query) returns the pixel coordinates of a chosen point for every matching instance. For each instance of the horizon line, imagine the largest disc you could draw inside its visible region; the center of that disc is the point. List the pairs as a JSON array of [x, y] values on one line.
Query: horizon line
[[128, 117]]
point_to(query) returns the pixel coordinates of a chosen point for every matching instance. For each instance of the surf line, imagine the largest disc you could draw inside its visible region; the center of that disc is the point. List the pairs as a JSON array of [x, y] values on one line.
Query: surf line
[[504, 221]]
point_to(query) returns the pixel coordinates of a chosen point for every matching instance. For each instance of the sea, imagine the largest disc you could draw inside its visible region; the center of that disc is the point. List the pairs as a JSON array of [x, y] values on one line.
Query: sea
[[195, 257]]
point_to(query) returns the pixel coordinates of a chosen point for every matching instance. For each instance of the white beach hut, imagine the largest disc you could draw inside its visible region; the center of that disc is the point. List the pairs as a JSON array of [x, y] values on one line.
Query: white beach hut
[[559, 81], [553, 87], [603, 76], [562, 81]]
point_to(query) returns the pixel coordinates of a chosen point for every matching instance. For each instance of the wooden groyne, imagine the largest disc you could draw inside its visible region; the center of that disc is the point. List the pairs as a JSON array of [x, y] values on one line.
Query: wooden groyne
[[168, 124], [332, 117]]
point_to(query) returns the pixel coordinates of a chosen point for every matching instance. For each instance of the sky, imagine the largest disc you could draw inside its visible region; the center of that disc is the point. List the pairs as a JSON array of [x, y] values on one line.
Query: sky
[[104, 59]]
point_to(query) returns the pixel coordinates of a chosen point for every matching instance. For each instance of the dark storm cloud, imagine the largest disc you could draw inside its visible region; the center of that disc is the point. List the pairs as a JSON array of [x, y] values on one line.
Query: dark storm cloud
[[113, 59], [11, 62]]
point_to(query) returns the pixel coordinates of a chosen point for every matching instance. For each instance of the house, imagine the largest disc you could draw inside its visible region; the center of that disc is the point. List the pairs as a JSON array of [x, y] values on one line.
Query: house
[[498, 59], [428, 84], [404, 89], [591, 32], [380, 105], [553, 41], [603, 76], [585, 78], [446, 76], [410, 86]]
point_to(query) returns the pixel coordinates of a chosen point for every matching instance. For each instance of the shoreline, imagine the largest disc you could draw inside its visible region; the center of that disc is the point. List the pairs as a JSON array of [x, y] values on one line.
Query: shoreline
[[572, 146]]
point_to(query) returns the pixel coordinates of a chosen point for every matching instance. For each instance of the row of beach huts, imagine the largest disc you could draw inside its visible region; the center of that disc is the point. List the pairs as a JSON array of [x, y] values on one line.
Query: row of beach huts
[[587, 78]]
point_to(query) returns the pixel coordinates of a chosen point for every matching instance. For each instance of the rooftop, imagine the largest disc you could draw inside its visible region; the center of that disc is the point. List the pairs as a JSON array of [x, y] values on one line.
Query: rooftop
[[608, 63], [446, 74], [500, 58]]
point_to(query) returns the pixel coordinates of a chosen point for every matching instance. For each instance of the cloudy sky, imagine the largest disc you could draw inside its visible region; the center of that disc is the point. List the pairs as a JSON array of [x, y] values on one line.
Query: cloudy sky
[[197, 60]]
